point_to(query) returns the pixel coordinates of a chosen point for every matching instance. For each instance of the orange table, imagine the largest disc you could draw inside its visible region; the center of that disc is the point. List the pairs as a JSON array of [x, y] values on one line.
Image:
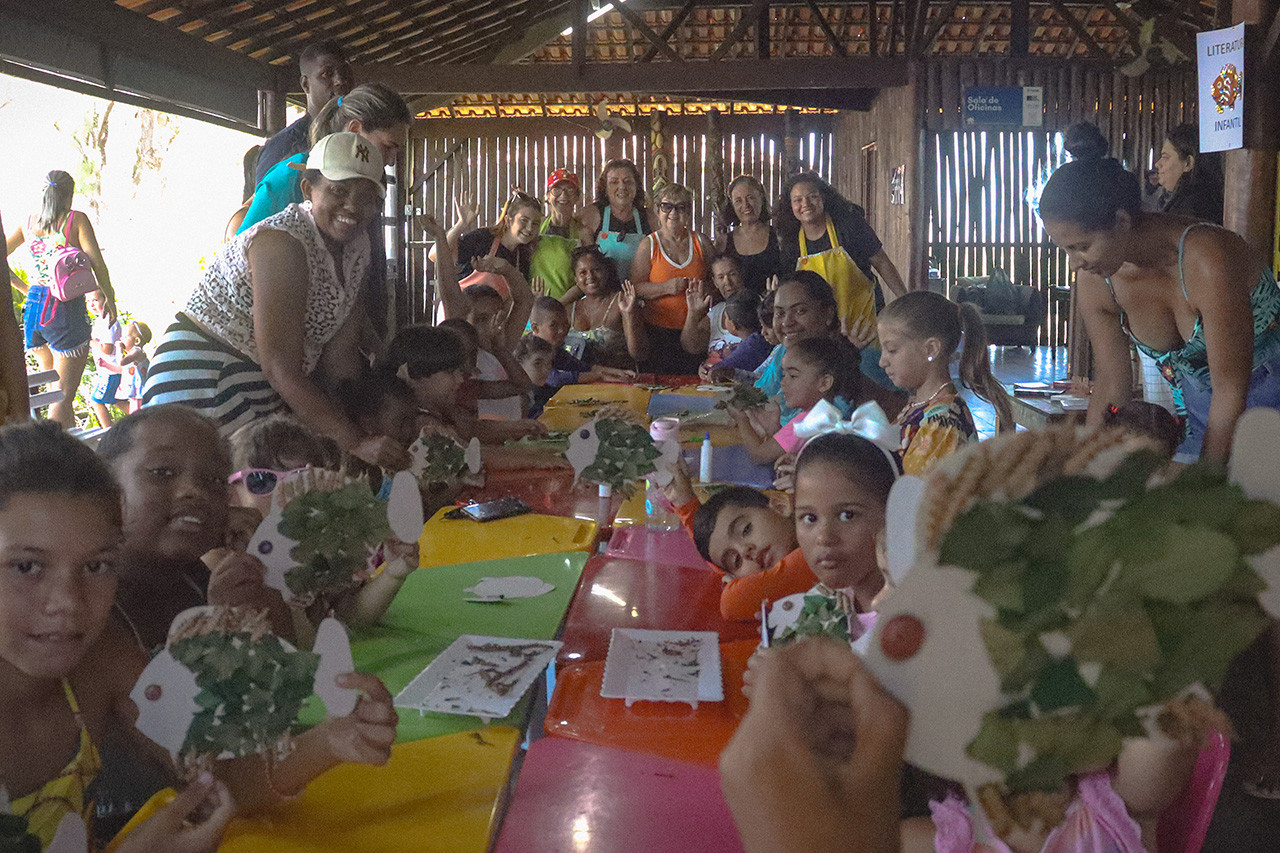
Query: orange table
[[666, 729]]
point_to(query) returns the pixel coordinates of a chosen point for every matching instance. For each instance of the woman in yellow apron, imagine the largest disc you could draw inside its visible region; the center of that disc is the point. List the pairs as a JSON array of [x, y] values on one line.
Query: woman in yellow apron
[[820, 230]]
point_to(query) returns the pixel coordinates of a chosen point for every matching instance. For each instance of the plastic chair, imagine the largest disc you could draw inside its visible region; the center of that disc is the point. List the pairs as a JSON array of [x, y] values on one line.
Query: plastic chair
[[1185, 822]]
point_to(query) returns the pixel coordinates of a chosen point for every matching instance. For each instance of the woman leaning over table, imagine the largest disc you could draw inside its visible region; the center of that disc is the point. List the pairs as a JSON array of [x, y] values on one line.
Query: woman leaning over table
[[669, 273], [1193, 296], [274, 312]]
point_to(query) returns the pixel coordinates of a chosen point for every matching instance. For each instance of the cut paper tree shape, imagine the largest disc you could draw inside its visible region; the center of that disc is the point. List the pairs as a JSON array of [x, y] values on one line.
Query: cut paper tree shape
[[612, 452], [1031, 553], [225, 687], [320, 534]]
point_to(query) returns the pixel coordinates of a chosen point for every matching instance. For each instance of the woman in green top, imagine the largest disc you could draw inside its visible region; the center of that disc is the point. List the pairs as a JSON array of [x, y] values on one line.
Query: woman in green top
[[372, 110], [560, 234]]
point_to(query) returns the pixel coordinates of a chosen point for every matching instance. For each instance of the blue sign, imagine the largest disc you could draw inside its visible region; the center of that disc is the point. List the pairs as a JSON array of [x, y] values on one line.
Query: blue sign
[[1003, 106]]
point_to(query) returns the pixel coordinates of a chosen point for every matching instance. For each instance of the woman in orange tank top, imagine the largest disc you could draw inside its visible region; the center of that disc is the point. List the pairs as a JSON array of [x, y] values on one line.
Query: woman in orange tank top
[[669, 270]]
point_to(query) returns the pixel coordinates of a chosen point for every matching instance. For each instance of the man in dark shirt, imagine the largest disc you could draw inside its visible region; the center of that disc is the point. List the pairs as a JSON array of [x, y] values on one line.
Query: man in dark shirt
[[325, 73]]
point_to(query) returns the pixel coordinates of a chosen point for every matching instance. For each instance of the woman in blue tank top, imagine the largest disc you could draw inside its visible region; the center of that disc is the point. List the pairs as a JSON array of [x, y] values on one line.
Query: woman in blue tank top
[[617, 216]]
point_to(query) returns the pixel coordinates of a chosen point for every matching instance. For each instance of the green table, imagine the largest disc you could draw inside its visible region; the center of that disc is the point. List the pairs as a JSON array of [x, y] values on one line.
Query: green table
[[430, 612]]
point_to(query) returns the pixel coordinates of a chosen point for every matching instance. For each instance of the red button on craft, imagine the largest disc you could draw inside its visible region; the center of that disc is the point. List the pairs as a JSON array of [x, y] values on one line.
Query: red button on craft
[[152, 692], [902, 637]]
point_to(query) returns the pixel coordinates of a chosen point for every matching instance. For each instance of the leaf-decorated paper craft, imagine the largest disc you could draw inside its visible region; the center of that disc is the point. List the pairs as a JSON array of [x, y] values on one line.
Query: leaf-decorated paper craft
[[436, 459], [744, 396], [249, 687], [336, 532], [1100, 586], [613, 452]]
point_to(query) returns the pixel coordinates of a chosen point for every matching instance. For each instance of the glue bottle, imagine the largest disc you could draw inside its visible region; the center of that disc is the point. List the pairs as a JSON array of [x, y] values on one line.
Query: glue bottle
[[704, 460]]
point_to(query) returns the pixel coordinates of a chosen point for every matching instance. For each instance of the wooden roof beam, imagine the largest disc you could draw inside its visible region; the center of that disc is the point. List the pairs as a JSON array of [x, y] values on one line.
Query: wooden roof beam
[[931, 35], [639, 25], [665, 77], [746, 19], [1079, 29], [827, 31], [670, 29]]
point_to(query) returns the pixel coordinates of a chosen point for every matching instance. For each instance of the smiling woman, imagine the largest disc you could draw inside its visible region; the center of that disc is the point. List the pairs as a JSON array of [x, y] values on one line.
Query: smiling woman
[[1190, 295], [278, 303]]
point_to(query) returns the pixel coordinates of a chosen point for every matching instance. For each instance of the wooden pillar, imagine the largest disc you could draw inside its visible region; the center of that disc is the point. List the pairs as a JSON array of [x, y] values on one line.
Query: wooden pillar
[[659, 157], [1250, 186], [13, 366], [790, 144], [713, 218], [271, 104]]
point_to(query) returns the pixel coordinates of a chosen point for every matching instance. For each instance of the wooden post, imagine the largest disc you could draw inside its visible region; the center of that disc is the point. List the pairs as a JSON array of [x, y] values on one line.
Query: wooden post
[[659, 157], [271, 104], [790, 145], [1250, 186], [712, 216]]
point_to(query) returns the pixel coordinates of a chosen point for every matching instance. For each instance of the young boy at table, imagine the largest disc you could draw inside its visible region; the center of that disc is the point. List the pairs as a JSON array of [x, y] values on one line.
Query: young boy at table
[[549, 320], [537, 357], [739, 532], [741, 319]]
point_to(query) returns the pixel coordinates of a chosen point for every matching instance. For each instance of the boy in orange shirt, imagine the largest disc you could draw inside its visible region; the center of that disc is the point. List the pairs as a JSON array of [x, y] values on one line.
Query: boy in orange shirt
[[739, 532]]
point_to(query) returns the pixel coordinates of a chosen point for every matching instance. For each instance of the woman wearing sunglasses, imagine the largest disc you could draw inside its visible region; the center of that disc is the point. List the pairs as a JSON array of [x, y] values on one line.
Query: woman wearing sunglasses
[[669, 270]]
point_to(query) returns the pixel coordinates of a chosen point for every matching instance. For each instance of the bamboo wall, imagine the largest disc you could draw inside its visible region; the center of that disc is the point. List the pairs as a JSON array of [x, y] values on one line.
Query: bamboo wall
[[979, 187]]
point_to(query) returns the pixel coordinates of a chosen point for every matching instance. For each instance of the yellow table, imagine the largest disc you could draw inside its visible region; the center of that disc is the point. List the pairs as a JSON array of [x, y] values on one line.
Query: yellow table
[[446, 542], [560, 414], [433, 795]]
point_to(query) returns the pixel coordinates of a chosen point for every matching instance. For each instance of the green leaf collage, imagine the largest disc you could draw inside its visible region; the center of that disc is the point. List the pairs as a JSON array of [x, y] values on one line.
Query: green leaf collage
[[744, 396], [443, 459], [1109, 597], [250, 691], [820, 616], [626, 455], [14, 837], [335, 532]]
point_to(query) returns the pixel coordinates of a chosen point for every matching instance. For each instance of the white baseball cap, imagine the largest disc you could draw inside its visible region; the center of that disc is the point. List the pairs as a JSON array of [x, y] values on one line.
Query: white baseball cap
[[345, 155]]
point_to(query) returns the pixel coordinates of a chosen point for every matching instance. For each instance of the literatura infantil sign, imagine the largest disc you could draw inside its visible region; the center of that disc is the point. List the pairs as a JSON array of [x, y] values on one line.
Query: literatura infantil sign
[[1003, 106], [1220, 71]]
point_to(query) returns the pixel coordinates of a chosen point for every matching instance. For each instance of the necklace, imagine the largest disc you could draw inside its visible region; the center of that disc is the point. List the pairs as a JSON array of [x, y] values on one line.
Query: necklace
[[944, 386]]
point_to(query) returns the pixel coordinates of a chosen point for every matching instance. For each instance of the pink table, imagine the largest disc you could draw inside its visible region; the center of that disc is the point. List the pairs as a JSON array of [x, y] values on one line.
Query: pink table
[[617, 593], [594, 799]]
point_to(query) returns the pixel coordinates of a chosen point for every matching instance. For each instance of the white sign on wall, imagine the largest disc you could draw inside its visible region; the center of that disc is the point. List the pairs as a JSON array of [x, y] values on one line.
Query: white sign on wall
[[1220, 69]]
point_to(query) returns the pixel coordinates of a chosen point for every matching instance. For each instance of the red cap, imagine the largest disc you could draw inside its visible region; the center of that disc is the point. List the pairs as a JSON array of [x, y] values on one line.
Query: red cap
[[564, 176]]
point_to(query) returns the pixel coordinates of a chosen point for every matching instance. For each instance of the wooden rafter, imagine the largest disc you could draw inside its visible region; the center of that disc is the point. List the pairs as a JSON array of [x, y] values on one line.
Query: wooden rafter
[[748, 17], [676, 20], [638, 24], [1080, 29], [931, 34], [826, 29], [1123, 18]]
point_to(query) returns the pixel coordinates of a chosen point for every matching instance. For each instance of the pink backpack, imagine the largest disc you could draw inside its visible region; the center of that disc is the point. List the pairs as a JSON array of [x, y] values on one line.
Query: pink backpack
[[73, 275]]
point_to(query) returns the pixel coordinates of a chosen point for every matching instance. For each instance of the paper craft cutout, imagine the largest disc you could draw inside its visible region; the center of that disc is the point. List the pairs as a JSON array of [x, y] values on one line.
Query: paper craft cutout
[[903, 508], [318, 538], [225, 687], [71, 835], [478, 676], [743, 396], [437, 459], [613, 452], [513, 586], [404, 508], [1002, 639], [663, 666]]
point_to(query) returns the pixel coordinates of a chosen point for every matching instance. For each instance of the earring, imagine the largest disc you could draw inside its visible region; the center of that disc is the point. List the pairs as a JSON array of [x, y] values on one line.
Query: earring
[[929, 358]]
